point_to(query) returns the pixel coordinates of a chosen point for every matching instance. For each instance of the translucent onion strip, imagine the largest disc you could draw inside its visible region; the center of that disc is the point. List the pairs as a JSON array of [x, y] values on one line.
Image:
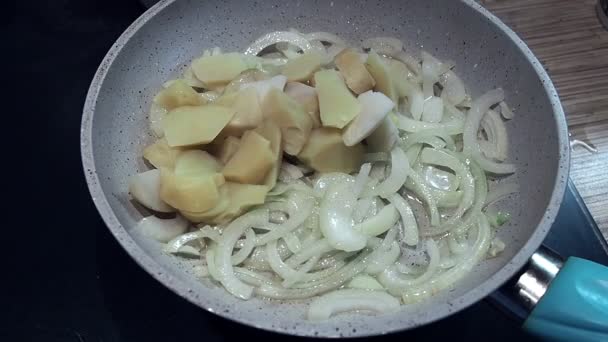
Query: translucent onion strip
[[471, 128], [408, 220], [400, 168], [351, 299], [451, 276], [230, 236], [276, 37]]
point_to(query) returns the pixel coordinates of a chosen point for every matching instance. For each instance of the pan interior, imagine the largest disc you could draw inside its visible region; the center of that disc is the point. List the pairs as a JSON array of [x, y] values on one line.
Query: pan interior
[[486, 57]]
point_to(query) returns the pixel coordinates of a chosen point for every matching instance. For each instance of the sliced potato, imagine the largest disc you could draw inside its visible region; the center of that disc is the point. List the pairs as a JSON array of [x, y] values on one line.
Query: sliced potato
[[337, 105], [242, 197], [190, 125], [252, 160], [290, 116], [264, 86], [272, 133], [190, 193], [248, 114], [228, 148], [245, 77], [209, 216], [160, 154], [374, 108], [380, 72], [354, 72], [145, 188], [300, 69], [196, 163], [219, 69], [191, 79], [326, 152], [178, 94], [307, 97], [155, 117]]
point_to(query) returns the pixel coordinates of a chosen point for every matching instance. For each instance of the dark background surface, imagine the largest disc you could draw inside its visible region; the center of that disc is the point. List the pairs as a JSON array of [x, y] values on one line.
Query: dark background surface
[[67, 279]]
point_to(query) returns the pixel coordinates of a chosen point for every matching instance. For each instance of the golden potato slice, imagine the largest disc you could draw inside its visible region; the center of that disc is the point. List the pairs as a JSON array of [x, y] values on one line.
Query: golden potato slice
[[326, 152], [354, 72], [160, 154], [290, 116], [178, 94], [337, 105], [209, 216], [300, 69], [191, 193], [219, 69], [380, 72], [189, 125], [228, 148], [242, 197], [196, 163], [307, 97], [272, 133], [248, 114], [251, 161]]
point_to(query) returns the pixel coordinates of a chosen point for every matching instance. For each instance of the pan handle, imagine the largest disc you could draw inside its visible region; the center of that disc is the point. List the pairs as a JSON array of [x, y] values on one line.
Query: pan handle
[[567, 304]]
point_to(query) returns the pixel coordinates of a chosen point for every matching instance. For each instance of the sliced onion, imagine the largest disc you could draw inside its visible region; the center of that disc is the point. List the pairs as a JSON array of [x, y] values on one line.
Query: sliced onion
[[145, 188], [449, 277], [497, 135], [379, 223], [400, 169], [264, 86], [162, 230], [351, 299], [361, 179], [395, 282], [289, 172], [471, 127], [453, 87], [335, 218], [276, 37], [433, 109], [410, 226], [177, 243], [451, 127], [364, 282], [505, 111], [383, 260], [383, 45], [230, 236], [325, 37]]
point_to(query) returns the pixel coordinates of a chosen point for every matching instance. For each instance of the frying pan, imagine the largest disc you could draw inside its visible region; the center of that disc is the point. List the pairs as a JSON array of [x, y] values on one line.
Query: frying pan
[[487, 54]]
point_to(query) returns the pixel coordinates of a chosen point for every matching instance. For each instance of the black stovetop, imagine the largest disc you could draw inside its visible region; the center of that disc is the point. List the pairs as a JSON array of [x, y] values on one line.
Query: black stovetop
[[69, 280]]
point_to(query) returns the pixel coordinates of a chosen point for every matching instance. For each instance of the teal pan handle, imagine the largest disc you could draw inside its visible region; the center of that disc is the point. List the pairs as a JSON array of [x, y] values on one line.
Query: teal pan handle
[[574, 306]]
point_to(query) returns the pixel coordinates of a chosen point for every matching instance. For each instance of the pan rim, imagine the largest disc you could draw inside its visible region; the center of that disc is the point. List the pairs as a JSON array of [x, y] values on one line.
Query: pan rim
[[176, 285]]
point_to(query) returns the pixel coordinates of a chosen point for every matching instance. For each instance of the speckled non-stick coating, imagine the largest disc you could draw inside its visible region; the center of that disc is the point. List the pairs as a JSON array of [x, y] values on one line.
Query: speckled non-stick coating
[[487, 55]]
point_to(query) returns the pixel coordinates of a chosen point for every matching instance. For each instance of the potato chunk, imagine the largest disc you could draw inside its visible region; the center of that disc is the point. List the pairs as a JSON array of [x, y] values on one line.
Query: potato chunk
[[178, 94], [228, 148], [195, 125], [337, 105], [248, 113], [354, 72], [219, 69], [307, 97], [272, 133], [290, 116], [196, 163], [160, 154], [326, 152], [242, 197], [300, 69], [186, 192], [380, 72], [252, 160]]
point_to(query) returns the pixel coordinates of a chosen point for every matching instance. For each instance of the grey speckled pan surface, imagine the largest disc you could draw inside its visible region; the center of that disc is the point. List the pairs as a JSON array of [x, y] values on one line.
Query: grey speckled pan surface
[[487, 55]]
